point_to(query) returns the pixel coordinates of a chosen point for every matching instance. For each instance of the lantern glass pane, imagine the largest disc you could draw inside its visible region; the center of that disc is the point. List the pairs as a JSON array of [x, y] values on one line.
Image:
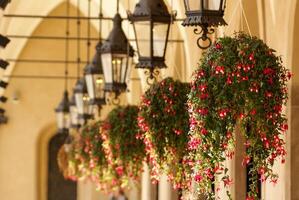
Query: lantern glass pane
[[63, 120], [90, 85], [193, 5], [213, 4], [120, 70], [107, 66], [99, 85], [74, 115], [95, 85], [160, 33], [79, 103], [143, 34]]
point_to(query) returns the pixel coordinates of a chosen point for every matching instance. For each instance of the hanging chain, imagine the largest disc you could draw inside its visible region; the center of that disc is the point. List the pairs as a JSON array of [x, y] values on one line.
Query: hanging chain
[[67, 33], [78, 41], [100, 20], [117, 6], [88, 33]]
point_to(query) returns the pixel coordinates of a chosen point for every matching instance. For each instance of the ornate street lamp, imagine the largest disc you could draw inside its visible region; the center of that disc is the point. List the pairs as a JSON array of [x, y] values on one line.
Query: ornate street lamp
[[4, 3], [117, 54], [84, 108], [95, 80], [151, 21], [63, 114], [204, 13]]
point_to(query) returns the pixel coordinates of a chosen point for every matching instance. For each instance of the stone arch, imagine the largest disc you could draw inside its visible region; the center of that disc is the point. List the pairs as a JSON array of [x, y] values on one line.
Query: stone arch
[[58, 187]]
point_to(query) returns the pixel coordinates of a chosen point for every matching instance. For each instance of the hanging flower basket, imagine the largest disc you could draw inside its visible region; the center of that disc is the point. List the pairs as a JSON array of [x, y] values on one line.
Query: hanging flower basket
[[87, 158], [239, 82], [163, 118], [124, 152]]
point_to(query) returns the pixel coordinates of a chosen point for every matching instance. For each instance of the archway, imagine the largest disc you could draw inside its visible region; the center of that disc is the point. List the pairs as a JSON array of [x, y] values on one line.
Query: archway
[[58, 187]]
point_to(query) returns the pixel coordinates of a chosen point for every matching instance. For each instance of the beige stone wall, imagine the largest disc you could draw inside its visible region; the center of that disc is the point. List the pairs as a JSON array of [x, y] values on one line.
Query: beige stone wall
[[32, 120]]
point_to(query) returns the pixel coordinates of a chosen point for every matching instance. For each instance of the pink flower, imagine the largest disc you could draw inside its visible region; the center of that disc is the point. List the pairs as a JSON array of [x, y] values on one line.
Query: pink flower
[[194, 143], [119, 170], [198, 178]]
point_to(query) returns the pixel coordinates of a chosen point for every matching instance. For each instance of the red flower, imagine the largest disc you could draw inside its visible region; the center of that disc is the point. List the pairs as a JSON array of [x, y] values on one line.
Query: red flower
[[218, 46], [251, 57], [284, 127], [204, 96], [178, 132], [253, 112], [200, 74], [203, 87], [249, 198], [202, 111], [268, 71], [219, 70], [246, 161], [204, 131], [223, 113], [229, 80], [289, 75], [227, 182]]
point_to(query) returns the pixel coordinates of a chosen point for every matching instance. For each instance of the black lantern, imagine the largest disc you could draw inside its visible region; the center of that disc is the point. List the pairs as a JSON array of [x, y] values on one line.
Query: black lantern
[[204, 13], [151, 21], [63, 114], [85, 110], [74, 115], [4, 3], [95, 81], [117, 54]]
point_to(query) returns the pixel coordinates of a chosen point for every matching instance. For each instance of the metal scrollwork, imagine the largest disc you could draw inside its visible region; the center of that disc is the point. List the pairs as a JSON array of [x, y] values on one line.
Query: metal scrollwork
[[151, 76], [204, 32]]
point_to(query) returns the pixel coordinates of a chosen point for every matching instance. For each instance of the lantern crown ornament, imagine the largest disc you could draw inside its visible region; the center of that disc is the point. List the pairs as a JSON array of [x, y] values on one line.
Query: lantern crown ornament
[[116, 54], [151, 21], [63, 114], [206, 14]]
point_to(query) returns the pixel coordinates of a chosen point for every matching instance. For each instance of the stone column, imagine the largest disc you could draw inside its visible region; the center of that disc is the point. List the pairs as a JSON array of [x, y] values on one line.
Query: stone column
[[237, 170], [148, 190]]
